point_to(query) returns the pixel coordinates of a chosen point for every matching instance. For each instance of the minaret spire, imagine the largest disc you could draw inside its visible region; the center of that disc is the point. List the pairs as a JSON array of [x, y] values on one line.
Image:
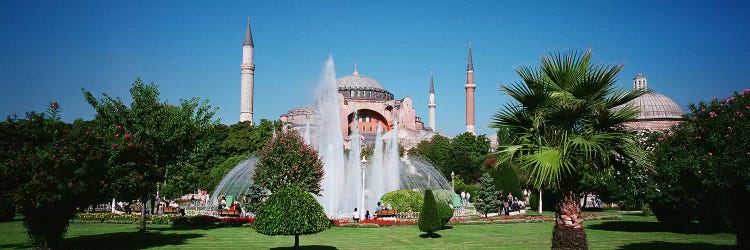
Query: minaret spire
[[248, 35], [431, 105], [471, 62], [470, 87], [355, 70], [247, 70]]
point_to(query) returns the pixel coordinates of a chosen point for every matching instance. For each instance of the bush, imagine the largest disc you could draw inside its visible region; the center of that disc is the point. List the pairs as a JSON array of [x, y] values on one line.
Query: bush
[[442, 195], [404, 200], [291, 211], [446, 213], [429, 219], [198, 220]]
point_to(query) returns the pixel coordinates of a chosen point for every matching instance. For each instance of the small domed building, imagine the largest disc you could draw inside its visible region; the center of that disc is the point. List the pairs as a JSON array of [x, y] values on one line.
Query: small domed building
[[658, 112]]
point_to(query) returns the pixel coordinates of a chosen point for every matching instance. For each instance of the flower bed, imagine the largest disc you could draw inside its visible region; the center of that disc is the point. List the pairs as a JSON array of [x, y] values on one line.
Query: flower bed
[[199, 220]]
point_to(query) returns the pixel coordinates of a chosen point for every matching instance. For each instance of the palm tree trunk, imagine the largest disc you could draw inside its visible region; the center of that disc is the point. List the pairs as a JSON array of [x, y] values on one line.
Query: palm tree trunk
[[569, 232]]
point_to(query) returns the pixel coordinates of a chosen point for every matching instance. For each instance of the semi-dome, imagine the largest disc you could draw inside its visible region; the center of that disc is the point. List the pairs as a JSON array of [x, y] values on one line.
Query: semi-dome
[[655, 106]]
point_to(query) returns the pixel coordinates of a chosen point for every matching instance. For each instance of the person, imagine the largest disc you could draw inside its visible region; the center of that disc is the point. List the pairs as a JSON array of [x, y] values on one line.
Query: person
[[388, 207], [468, 198], [463, 198], [380, 207], [367, 215], [355, 215], [192, 200], [222, 202], [526, 194]]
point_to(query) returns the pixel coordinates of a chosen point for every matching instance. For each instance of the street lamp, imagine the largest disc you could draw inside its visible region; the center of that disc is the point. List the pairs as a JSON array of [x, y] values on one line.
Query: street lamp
[[364, 167], [453, 182]]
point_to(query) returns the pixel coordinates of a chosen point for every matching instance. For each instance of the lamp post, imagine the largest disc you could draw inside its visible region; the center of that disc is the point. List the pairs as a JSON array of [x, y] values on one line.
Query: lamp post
[[364, 167], [453, 182]]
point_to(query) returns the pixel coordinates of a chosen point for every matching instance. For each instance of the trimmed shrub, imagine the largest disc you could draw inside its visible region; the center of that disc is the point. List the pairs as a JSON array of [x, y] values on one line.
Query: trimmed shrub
[[404, 200], [291, 211], [446, 213], [429, 219]]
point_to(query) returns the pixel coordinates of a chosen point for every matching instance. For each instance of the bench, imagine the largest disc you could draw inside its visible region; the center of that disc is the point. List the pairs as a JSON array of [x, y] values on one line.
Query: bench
[[227, 212], [170, 210], [386, 213]]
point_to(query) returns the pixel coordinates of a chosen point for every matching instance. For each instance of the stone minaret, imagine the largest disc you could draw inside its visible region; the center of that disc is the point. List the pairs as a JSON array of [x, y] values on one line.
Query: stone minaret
[[640, 81], [432, 104], [247, 68], [470, 87]]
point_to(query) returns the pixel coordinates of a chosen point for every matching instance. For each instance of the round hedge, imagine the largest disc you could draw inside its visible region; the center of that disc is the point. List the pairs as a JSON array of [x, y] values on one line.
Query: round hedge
[[291, 211], [404, 200]]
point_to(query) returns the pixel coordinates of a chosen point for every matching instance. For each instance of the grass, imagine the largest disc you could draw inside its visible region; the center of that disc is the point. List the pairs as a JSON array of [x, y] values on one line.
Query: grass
[[633, 232]]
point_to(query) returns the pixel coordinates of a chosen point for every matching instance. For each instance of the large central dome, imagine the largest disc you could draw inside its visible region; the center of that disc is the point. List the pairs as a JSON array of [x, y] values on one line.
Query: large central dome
[[656, 106], [358, 81], [356, 86]]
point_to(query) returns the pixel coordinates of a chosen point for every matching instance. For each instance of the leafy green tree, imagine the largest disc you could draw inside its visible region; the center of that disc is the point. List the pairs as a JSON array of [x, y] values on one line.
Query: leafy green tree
[[488, 197], [438, 150], [287, 160], [568, 120], [468, 153], [54, 168], [148, 136], [505, 180], [245, 138], [255, 195], [291, 211], [429, 218], [706, 160]]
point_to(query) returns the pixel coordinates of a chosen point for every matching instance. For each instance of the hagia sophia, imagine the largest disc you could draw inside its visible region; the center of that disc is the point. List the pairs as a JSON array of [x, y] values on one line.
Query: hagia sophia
[[367, 100]]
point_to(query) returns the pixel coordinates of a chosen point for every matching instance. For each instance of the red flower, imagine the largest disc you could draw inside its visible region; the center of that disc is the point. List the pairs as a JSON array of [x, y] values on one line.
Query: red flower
[[127, 136], [117, 135], [118, 127], [712, 114]]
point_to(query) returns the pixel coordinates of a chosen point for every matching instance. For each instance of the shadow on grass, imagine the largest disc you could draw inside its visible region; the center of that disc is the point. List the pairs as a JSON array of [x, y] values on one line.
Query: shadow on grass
[[672, 245], [306, 247], [645, 226], [15, 246], [131, 240], [433, 235], [446, 227]]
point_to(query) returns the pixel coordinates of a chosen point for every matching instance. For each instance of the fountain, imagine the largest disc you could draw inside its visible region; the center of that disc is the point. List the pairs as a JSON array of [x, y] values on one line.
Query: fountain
[[345, 175]]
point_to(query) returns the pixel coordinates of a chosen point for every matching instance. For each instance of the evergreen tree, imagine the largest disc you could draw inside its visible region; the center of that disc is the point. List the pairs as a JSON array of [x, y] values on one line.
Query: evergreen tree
[[429, 219], [291, 211], [488, 197]]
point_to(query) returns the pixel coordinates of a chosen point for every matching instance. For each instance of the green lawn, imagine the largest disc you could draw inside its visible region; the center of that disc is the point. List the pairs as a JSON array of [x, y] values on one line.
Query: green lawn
[[633, 232]]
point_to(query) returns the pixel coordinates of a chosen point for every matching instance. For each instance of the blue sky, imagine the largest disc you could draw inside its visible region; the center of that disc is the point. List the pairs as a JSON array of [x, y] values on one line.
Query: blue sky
[[49, 50]]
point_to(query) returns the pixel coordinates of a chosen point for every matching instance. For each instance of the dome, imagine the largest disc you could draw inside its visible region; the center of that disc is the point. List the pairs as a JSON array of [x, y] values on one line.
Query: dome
[[656, 106], [358, 81]]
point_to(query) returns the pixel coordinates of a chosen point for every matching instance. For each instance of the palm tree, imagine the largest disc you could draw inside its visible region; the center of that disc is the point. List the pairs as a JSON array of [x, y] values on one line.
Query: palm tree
[[568, 119]]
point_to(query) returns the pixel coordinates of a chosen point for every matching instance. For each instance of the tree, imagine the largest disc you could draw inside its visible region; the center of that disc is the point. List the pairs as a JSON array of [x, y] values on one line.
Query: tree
[[291, 211], [287, 160], [487, 200], [445, 212], [706, 160], [429, 219], [148, 136], [568, 120], [505, 179], [53, 168], [438, 150]]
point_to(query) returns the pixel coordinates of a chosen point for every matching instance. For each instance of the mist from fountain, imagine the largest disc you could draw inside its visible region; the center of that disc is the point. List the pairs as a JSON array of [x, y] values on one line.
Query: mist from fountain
[[236, 182]]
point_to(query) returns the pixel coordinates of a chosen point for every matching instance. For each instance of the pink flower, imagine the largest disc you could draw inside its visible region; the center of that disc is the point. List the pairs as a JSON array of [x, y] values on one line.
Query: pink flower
[[118, 127], [118, 135], [730, 99], [114, 146], [712, 114], [710, 154], [127, 136]]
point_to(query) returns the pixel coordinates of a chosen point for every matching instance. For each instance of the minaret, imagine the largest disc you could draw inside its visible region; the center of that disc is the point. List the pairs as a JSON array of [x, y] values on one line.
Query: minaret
[[640, 81], [432, 104], [470, 87], [247, 68]]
